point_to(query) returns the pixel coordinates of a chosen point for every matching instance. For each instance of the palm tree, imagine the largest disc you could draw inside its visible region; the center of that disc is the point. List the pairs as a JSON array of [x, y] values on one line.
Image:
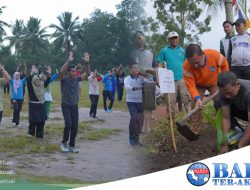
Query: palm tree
[[220, 4], [66, 32], [35, 37], [2, 25], [15, 41]]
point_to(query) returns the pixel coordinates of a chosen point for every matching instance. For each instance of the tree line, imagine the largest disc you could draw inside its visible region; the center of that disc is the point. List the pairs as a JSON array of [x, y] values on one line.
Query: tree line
[[106, 36]]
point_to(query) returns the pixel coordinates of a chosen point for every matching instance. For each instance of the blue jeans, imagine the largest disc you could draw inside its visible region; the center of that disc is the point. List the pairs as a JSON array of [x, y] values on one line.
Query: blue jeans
[[136, 116]]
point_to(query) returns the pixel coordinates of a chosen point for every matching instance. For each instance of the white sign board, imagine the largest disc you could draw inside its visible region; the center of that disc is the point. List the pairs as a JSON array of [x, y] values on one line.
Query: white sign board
[[166, 80]]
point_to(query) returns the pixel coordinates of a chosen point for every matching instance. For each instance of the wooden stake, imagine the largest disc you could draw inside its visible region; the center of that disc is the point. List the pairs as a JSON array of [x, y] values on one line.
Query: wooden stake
[[171, 123], [170, 114]]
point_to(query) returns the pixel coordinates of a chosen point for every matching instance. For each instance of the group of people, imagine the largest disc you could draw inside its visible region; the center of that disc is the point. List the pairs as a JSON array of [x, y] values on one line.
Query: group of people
[[38, 83], [196, 71]]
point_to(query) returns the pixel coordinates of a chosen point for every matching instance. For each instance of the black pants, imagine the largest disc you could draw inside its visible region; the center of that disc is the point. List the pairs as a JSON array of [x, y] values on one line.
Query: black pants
[[70, 115], [134, 124], [36, 128], [242, 72], [235, 113], [94, 102], [1, 115], [107, 95], [179, 100], [17, 107], [6, 89], [119, 93]]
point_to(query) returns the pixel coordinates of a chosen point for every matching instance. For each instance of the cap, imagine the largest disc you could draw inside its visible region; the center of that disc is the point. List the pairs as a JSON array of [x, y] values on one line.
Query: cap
[[173, 34], [239, 21], [139, 34]]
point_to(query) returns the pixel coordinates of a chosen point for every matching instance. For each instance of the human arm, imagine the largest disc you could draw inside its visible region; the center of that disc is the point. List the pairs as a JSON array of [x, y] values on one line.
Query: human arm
[[161, 58], [190, 82], [229, 54], [223, 64], [128, 86], [54, 76], [65, 66], [5, 74], [86, 58], [47, 81], [222, 50]]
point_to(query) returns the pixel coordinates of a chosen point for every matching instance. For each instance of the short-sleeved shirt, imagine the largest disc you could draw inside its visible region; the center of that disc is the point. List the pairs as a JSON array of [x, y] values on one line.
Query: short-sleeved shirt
[[204, 76], [242, 100], [69, 90], [240, 50], [19, 94], [2, 83], [174, 57]]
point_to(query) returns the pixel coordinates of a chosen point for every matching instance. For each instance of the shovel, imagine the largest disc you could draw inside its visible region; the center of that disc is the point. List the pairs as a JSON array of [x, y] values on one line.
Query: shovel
[[183, 129]]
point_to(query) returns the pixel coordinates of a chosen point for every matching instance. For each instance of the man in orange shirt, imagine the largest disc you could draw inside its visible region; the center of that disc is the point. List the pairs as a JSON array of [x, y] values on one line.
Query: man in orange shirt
[[201, 70]]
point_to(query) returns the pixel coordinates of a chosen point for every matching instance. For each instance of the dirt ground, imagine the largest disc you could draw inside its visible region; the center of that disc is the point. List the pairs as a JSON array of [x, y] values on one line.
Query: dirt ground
[[111, 158]]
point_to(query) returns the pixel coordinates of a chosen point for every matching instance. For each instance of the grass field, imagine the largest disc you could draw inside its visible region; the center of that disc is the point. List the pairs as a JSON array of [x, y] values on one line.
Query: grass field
[[56, 94]]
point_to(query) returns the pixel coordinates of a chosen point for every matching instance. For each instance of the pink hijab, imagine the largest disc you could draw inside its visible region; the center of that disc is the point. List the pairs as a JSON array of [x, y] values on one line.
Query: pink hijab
[[16, 83]]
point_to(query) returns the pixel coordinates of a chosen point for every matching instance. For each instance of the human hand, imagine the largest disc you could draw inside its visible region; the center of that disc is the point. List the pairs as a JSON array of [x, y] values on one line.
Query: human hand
[[70, 58], [33, 69], [199, 104], [86, 57]]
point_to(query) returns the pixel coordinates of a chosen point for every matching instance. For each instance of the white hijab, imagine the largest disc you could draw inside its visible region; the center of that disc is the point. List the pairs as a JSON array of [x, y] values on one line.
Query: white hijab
[[16, 83]]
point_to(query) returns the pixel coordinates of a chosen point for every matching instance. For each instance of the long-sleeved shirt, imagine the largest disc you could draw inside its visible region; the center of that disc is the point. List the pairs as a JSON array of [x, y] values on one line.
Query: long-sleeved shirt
[[108, 82], [131, 83], [19, 94], [204, 76]]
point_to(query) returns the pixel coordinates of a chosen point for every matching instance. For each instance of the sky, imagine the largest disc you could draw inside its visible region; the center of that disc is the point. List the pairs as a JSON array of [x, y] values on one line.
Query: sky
[[48, 10]]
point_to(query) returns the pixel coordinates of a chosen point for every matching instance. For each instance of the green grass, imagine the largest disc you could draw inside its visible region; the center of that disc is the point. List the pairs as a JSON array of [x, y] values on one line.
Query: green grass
[[99, 134], [26, 145], [94, 134], [56, 94]]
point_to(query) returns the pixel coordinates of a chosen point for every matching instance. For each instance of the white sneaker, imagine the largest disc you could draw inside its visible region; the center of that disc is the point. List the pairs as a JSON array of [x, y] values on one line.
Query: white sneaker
[[14, 124], [73, 150], [64, 147]]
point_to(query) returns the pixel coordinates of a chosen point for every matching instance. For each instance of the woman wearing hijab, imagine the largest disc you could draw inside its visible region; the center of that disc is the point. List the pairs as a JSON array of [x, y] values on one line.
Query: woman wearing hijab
[[36, 89], [17, 96]]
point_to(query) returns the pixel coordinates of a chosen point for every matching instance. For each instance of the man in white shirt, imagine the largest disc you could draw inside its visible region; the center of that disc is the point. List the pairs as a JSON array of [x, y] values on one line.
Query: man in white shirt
[[133, 85], [239, 51]]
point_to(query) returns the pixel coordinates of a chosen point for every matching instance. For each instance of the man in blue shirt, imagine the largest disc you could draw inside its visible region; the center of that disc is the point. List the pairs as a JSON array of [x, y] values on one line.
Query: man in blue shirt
[[172, 57], [107, 91]]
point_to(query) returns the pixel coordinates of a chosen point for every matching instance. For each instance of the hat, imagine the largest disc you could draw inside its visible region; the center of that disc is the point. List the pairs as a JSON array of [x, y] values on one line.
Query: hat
[[173, 34], [239, 21], [139, 34]]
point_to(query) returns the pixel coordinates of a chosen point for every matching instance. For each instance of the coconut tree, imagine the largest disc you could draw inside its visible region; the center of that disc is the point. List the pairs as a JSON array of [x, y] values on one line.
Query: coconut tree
[[2, 25], [66, 32], [15, 41], [35, 37], [222, 4]]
